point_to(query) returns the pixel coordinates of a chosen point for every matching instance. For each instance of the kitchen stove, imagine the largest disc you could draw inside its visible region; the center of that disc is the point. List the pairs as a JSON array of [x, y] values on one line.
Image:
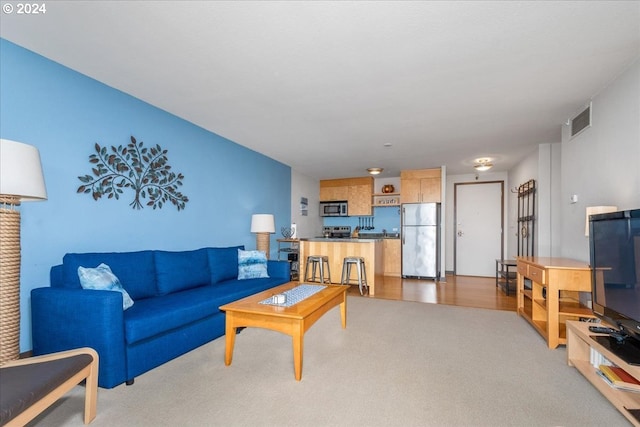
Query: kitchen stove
[[337, 231]]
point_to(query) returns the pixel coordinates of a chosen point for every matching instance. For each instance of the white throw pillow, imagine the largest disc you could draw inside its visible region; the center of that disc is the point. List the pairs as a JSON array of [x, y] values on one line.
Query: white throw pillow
[[252, 265], [102, 278]]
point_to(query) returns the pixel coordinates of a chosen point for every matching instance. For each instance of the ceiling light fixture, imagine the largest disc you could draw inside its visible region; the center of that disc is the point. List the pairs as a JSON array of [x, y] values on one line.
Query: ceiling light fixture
[[483, 164], [374, 171]]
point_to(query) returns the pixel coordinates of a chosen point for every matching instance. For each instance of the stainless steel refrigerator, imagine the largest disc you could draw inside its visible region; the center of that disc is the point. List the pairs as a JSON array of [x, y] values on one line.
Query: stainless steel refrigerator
[[421, 240]]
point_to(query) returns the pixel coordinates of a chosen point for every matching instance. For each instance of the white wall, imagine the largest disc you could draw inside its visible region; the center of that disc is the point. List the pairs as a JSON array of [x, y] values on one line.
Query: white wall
[[304, 186], [527, 169], [553, 246], [543, 166], [602, 165]]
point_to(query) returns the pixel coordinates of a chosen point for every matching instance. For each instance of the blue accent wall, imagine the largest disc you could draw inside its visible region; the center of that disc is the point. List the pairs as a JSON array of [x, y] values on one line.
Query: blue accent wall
[[64, 113]]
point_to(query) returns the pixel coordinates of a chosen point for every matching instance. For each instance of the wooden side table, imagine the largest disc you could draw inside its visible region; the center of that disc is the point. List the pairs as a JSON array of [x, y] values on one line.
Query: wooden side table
[[506, 271]]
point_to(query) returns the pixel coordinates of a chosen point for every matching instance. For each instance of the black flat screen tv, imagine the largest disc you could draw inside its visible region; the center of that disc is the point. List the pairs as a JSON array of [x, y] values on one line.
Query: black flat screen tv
[[614, 246]]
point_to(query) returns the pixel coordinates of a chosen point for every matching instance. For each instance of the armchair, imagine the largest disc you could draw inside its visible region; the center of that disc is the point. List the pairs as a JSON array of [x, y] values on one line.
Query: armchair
[[29, 386]]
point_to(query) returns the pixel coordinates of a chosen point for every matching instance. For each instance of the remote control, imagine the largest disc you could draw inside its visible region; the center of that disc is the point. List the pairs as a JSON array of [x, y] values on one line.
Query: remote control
[[602, 330], [619, 336]]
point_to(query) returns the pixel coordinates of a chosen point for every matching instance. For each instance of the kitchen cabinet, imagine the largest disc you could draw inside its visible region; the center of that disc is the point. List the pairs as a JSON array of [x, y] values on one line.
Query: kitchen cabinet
[[392, 258], [333, 193], [360, 199], [420, 186], [356, 191]]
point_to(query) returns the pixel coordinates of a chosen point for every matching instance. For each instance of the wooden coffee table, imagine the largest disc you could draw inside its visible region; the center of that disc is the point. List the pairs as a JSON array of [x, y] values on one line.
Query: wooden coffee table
[[294, 320]]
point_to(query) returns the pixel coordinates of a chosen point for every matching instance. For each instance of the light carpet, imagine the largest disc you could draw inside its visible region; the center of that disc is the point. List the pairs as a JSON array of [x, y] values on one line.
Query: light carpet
[[397, 364]]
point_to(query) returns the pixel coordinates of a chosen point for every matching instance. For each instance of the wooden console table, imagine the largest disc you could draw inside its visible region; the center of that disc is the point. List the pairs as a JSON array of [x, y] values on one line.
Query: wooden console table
[[548, 293]]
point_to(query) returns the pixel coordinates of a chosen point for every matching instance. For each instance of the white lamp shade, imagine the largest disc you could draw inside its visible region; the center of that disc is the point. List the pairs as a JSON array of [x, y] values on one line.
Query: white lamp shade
[[263, 223], [21, 171]]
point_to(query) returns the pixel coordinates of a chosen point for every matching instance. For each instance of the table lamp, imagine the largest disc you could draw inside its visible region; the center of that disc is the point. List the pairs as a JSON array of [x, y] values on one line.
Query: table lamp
[[21, 179], [263, 225]]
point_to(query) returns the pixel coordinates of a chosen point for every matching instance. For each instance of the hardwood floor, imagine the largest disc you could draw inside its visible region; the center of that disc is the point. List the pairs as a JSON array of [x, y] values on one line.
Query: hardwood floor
[[464, 291]]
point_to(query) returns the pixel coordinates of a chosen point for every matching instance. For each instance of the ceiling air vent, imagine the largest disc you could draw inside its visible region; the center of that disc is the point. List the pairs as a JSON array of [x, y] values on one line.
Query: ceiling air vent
[[581, 121]]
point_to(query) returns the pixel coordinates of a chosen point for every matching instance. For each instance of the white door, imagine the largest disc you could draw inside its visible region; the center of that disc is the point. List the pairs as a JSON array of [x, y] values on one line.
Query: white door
[[478, 234]]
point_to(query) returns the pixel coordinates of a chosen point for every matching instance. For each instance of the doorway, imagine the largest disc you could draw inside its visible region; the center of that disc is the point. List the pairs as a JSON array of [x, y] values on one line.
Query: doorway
[[479, 224]]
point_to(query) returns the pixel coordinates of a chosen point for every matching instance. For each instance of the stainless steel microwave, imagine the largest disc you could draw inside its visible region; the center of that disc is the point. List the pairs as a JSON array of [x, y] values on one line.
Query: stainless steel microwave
[[334, 209]]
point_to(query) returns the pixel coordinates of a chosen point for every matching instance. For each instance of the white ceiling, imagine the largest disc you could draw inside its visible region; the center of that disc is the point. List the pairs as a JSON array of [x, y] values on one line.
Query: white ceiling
[[322, 86]]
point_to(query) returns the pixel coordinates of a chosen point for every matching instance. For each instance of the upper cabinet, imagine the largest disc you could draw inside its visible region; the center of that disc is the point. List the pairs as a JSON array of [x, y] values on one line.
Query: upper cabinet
[[416, 186], [356, 191], [360, 199], [333, 193], [420, 186]]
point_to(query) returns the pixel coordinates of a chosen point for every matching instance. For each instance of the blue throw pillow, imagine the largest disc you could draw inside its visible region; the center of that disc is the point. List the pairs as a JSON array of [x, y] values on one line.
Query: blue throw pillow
[[101, 278], [252, 265]]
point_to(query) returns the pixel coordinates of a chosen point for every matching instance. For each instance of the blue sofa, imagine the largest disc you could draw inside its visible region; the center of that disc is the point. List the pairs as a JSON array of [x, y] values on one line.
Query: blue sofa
[[176, 298]]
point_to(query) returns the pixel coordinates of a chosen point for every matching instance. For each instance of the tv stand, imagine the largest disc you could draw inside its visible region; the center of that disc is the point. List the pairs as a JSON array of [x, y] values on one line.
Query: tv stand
[[581, 345], [627, 349]]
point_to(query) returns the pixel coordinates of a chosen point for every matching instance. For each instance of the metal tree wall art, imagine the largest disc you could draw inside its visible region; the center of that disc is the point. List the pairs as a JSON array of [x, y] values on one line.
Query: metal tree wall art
[[144, 170]]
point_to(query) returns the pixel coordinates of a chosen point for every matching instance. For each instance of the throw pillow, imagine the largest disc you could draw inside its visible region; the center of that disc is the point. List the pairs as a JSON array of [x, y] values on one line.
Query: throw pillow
[[136, 270], [252, 265], [102, 278]]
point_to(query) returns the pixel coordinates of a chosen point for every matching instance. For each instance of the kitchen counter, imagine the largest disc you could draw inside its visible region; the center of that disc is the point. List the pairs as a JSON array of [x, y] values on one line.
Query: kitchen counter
[[337, 239], [337, 249], [379, 235]]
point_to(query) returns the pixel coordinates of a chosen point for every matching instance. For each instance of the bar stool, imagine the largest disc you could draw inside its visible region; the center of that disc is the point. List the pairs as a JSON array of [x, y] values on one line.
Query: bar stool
[[362, 273], [314, 261]]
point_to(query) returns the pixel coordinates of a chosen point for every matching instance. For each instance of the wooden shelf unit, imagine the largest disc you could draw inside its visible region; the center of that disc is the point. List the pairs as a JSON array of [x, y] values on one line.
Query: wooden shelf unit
[[580, 346], [554, 296], [286, 247], [386, 199]]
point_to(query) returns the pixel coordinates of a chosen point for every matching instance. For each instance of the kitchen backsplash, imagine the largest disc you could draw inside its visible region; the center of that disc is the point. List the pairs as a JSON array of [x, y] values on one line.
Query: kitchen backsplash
[[384, 218]]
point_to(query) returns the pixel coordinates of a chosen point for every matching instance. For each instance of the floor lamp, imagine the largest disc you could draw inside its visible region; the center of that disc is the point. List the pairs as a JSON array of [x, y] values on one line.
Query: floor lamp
[[20, 180], [263, 225]]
